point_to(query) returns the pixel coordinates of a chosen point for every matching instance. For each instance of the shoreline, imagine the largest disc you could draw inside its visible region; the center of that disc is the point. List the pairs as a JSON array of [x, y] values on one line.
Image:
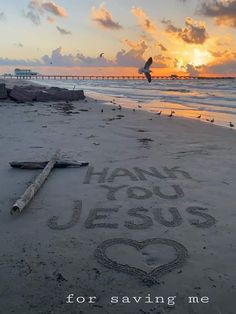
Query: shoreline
[[181, 110], [109, 100]]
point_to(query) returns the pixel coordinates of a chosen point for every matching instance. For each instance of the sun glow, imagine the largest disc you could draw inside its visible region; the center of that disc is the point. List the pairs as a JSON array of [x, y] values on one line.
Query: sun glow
[[200, 57]]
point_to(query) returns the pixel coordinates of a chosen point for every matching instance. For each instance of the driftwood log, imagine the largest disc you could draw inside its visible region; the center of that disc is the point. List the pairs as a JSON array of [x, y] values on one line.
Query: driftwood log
[[41, 164], [22, 202]]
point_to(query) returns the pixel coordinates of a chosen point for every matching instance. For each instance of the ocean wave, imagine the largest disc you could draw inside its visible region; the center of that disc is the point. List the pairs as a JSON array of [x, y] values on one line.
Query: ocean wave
[[205, 95]]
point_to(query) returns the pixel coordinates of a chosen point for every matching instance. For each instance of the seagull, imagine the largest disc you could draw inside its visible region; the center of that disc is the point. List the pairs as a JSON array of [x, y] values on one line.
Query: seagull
[[159, 113], [231, 124], [171, 114], [146, 70], [101, 54], [199, 117]]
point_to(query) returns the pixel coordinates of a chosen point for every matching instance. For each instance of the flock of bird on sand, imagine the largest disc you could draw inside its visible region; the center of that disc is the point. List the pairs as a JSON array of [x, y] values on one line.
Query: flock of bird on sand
[[147, 72]]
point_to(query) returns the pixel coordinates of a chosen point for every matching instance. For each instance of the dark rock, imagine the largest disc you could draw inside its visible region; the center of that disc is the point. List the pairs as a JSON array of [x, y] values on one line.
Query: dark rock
[[43, 94], [70, 95], [8, 91], [34, 87], [57, 94], [22, 94], [3, 91]]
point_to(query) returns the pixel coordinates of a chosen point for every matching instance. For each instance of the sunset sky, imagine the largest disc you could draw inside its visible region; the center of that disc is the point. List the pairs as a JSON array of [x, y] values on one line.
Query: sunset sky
[[67, 36]]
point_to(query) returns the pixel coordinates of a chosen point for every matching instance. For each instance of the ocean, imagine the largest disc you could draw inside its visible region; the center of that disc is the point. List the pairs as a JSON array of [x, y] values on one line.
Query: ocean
[[212, 99]]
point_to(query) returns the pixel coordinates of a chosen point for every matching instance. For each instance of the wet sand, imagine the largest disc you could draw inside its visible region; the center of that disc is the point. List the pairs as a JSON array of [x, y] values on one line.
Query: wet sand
[[153, 214]]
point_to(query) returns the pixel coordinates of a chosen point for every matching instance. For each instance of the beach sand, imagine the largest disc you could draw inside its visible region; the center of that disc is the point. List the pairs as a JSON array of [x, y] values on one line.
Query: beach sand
[[158, 220]]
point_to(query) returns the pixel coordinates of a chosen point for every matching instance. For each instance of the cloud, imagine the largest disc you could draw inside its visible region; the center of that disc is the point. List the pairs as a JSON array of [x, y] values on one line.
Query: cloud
[[170, 28], [37, 8], [219, 54], [57, 58], [224, 11], [104, 18], [227, 67], [95, 62], [144, 20], [194, 32], [34, 12], [2, 16], [163, 48], [54, 9], [51, 20], [225, 41], [20, 62], [63, 31], [132, 57], [191, 70], [19, 45], [160, 61]]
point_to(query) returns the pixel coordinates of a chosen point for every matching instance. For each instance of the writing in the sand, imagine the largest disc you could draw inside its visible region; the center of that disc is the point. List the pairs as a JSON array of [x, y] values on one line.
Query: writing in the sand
[[136, 174], [138, 217], [138, 188]]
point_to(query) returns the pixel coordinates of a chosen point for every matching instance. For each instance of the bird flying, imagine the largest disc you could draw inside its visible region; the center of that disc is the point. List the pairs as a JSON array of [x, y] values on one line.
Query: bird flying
[[146, 70]]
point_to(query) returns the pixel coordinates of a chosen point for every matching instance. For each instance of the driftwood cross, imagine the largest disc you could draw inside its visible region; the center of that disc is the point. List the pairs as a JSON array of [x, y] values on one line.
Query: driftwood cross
[[47, 167]]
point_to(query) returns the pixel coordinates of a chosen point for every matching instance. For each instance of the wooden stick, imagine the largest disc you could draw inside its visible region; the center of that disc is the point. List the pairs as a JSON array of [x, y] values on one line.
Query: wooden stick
[[41, 164], [31, 191]]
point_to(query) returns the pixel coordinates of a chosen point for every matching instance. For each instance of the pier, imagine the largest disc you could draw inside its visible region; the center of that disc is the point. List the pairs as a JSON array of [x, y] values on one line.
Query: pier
[[108, 77]]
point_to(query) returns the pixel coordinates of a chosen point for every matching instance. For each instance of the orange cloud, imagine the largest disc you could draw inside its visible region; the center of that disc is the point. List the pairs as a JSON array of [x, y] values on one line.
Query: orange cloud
[[104, 18], [53, 8], [194, 32], [37, 8], [50, 20], [163, 48], [144, 20], [223, 67], [220, 54], [224, 11], [135, 45]]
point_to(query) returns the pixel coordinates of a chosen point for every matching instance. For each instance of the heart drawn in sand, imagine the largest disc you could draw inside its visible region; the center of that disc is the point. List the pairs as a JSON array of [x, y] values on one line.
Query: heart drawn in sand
[[147, 277]]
